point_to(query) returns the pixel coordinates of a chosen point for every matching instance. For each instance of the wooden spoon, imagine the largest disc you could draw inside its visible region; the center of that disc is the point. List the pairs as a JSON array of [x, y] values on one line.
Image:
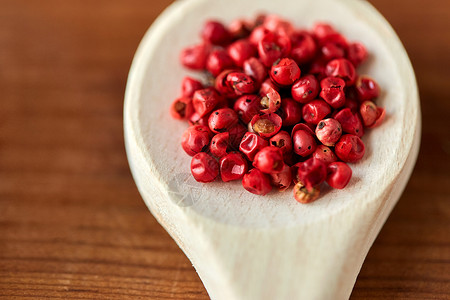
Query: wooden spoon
[[245, 246]]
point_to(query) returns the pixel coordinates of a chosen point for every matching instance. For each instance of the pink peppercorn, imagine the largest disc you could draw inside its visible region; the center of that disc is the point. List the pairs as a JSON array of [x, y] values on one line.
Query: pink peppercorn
[[282, 180], [328, 132], [350, 122], [194, 57], [240, 51], [343, 69], [311, 172], [189, 86], [220, 144], [251, 144], [332, 91], [233, 166], [204, 167], [266, 125], [182, 108], [285, 72], [291, 112], [273, 47], [338, 175], [304, 47], [305, 89], [315, 111], [195, 139], [217, 61], [254, 68], [215, 33], [356, 53], [241, 83], [269, 160], [350, 148], [303, 143], [256, 182], [366, 88], [283, 141], [270, 101], [222, 120], [247, 106], [324, 154], [204, 101]]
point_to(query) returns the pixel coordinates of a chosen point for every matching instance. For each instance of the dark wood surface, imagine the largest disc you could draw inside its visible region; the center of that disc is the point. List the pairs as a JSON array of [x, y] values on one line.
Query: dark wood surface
[[72, 224]]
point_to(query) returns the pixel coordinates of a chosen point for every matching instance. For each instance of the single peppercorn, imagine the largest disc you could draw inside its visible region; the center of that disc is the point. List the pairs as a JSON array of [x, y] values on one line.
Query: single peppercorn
[[251, 144], [350, 148], [222, 120], [266, 125], [233, 166], [204, 167], [285, 72], [338, 175], [315, 111], [220, 144], [256, 182], [303, 195], [269, 160], [328, 131], [305, 89]]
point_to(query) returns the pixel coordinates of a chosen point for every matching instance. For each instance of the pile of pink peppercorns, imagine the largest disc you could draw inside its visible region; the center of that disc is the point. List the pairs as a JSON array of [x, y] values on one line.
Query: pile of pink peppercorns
[[279, 106]]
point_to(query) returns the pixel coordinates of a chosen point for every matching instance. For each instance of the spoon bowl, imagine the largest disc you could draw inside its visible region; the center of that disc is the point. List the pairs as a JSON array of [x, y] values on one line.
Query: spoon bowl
[[245, 246]]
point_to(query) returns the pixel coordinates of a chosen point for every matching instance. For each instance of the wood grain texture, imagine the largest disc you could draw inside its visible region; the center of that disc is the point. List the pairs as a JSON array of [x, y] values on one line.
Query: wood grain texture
[[72, 224]]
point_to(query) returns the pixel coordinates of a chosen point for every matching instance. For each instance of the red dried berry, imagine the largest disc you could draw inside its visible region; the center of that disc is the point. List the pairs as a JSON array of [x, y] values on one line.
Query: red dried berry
[[204, 101], [270, 101], [195, 119], [343, 69], [240, 51], [305, 89], [311, 172], [283, 141], [182, 108], [222, 120], [254, 68], [189, 86], [331, 51], [282, 180], [366, 88], [220, 144], [204, 167], [350, 148], [303, 195], [304, 47], [269, 160], [256, 182], [338, 175], [315, 111], [215, 33], [303, 143], [217, 61], [195, 139], [247, 106], [285, 72], [221, 84], [241, 83], [239, 29], [237, 132], [350, 122], [233, 166], [356, 53], [194, 57], [278, 25], [273, 47], [291, 112], [266, 125], [267, 86], [251, 144], [324, 154], [258, 34], [328, 132], [332, 91]]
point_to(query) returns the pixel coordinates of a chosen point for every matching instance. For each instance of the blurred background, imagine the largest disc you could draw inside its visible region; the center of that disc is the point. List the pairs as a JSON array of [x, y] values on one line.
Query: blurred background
[[72, 224]]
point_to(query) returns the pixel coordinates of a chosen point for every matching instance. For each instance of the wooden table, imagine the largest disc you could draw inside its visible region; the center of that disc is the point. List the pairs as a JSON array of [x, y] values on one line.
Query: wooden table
[[72, 224]]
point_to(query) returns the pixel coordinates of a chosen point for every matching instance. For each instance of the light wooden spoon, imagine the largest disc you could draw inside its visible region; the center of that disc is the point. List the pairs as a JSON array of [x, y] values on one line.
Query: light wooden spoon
[[245, 246]]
